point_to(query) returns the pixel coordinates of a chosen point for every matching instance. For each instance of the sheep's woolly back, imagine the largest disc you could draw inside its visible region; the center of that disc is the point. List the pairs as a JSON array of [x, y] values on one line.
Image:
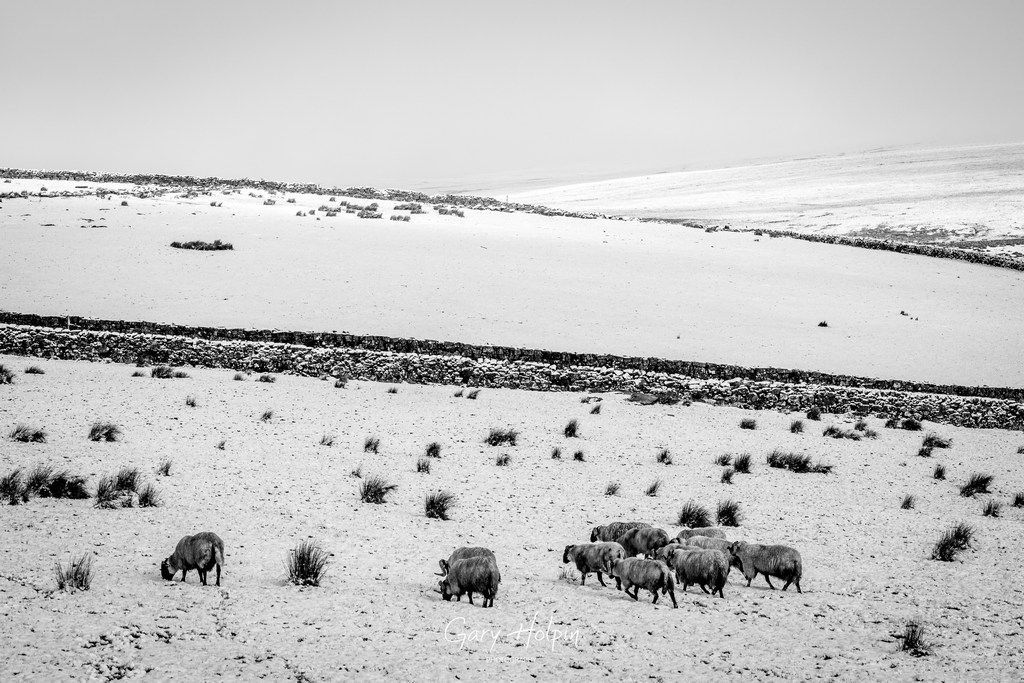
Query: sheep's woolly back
[[613, 531], [774, 560], [707, 567], [706, 531]]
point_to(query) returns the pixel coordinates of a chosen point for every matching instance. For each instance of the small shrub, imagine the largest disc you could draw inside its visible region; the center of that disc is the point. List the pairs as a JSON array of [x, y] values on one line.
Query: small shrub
[[270, 379], [892, 423], [1020, 451], [497, 437], [813, 413], [978, 483], [164, 469], [727, 475], [239, 377], [992, 508], [578, 456], [924, 452], [742, 463], [11, 488], [34, 370], [190, 401], [796, 427], [724, 460], [267, 415], [556, 453], [37, 483], [693, 515], [473, 394], [423, 465], [596, 410], [392, 390], [502, 460], [138, 373], [748, 423], [936, 441], [76, 575], [571, 429], [6, 376], [307, 563], [371, 445], [653, 489], [958, 538], [127, 479], [913, 639], [108, 496], [162, 372], [148, 497], [327, 440], [375, 489], [728, 513], [178, 374], [340, 383], [861, 425], [200, 245], [911, 425], [438, 504], [221, 444], [838, 433], [104, 431], [870, 433], [433, 450], [458, 394], [664, 457], [569, 575], [66, 485], [796, 462], [940, 472], [358, 471], [612, 489], [1018, 500], [26, 434], [823, 323], [908, 502]]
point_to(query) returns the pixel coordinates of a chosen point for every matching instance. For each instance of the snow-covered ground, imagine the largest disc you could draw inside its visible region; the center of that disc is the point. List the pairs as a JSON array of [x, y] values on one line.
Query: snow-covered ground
[[866, 561], [932, 195], [519, 279]]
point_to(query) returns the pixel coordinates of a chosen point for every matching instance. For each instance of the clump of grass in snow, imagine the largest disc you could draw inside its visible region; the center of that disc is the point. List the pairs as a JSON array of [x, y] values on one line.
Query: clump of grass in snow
[[497, 437], [813, 413], [664, 457], [190, 401], [654, 487], [796, 427], [164, 469], [371, 445], [838, 433], [267, 415], [936, 441], [34, 370], [11, 488], [957, 539], [569, 575], [724, 460], [327, 440], [502, 460], [26, 434], [913, 639], [940, 472], [74, 576], [438, 504], [104, 431], [571, 429], [1018, 500], [728, 513], [978, 483], [6, 376], [375, 489], [748, 423], [578, 456], [693, 515], [473, 394], [612, 489], [270, 379], [727, 475], [742, 463], [148, 497], [423, 465], [796, 462], [908, 502], [307, 564], [458, 394], [392, 390], [992, 508], [433, 450], [556, 453]]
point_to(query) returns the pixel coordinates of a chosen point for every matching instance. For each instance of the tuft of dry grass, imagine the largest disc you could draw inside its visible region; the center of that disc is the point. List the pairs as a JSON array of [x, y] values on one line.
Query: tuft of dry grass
[[269, 379], [693, 515], [164, 469], [992, 508], [796, 427], [371, 445], [438, 504], [664, 457], [571, 430], [433, 450], [375, 489], [34, 370], [978, 483], [748, 423], [423, 465], [935, 441], [104, 431], [742, 463], [190, 401], [497, 437], [653, 488], [327, 440], [267, 415], [502, 460], [908, 502], [473, 394], [913, 639], [556, 453], [26, 434], [727, 474], [307, 564], [939, 472], [728, 513], [578, 456], [149, 497], [612, 489], [724, 460], [76, 575], [6, 376], [957, 539]]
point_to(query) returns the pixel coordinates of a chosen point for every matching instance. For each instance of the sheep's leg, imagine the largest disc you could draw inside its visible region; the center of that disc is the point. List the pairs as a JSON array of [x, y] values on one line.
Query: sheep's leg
[[769, 580], [655, 600], [218, 575], [471, 597], [601, 579], [720, 589], [202, 576], [184, 572], [618, 583], [751, 578], [672, 594], [633, 595], [583, 579], [798, 586], [787, 584], [703, 587]]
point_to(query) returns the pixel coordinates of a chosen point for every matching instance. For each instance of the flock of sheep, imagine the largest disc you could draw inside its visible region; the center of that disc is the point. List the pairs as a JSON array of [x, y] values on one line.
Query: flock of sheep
[[701, 556]]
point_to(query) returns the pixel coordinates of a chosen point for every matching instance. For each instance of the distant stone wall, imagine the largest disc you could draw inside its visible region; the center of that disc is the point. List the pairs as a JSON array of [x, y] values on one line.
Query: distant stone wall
[[557, 359], [482, 371]]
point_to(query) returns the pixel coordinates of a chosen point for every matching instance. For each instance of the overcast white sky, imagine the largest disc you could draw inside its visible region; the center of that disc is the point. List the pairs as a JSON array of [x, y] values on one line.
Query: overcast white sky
[[446, 94]]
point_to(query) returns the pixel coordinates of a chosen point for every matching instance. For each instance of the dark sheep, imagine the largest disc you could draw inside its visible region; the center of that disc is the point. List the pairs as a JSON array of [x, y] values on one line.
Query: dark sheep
[[643, 541], [612, 532], [472, 575], [779, 561], [702, 567], [593, 557], [201, 552], [650, 575], [706, 531], [462, 554]]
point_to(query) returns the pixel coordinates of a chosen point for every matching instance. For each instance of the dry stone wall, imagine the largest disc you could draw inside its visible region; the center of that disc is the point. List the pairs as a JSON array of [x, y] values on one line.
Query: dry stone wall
[[387, 365]]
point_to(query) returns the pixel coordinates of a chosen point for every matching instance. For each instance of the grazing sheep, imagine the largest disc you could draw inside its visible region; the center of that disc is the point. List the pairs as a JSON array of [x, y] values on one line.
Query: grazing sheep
[[472, 575], [779, 561], [702, 567], [593, 557], [612, 532], [200, 552], [666, 550], [709, 543], [706, 531], [462, 554], [643, 541], [651, 575]]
